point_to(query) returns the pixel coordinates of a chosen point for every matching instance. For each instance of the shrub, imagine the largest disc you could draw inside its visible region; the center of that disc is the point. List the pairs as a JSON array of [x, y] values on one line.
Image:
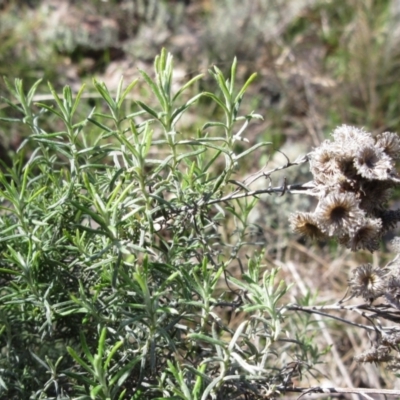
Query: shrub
[[112, 261]]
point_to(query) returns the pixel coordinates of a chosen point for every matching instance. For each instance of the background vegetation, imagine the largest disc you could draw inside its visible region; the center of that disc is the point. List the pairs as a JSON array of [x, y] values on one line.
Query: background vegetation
[[319, 63]]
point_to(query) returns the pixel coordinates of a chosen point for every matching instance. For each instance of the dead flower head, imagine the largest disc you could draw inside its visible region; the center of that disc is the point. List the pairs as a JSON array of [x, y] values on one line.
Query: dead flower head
[[372, 163], [354, 175], [346, 167], [389, 142], [374, 194], [323, 163], [306, 224], [366, 236], [338, 213], [350, 137], [367, 282]]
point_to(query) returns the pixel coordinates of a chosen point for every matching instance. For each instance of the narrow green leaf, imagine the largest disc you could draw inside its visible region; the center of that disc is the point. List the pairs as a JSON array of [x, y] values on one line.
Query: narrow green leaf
[[10, 271], [148, 109], [40, 361], [65, 114], [10, 87], [92, 214], [105, 94], [82, 363], [154, 88], [32, 91], [191, 154], [81, 378], [13, 106], [187, 85], [51, 109], [10, 119], [222, 85], [176, 115], [251, 149], [126, 91], [212, 124], [100, 125], [244, 88], [77, 99], [67, 99], [112, 352], [208, 339], [233, 75], [217, 100], [85, 347]]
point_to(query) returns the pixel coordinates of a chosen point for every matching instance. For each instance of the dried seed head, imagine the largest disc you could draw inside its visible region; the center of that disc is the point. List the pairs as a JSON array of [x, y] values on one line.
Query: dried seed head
[[348, 171], [353, 178], [372, 163], [366, 236], [374, 194], [375, 354], [306, 224], [367, 282], [350, 137], [338, 213], [323, 164], [389, 142]]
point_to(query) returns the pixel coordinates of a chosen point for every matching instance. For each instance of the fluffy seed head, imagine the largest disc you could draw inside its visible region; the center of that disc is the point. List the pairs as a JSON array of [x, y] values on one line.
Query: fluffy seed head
[[374, 194], [367, 282], [366, 236], [389, 142], [372, 163], [338, 213], [350, 137], [323, 163], [306, 224], [354, 175]]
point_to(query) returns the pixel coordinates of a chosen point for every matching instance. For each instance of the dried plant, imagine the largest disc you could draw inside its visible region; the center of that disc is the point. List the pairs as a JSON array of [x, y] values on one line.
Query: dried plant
[[353, 176]]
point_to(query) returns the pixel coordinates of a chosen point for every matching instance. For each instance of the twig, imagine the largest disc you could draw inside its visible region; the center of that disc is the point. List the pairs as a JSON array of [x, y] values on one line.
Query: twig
[[162, 222], [292, 189], [312, 310], [331, 390], [375, 312]]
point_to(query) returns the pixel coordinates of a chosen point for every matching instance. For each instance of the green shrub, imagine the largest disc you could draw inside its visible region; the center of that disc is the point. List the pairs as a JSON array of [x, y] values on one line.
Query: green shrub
[[116, 281]]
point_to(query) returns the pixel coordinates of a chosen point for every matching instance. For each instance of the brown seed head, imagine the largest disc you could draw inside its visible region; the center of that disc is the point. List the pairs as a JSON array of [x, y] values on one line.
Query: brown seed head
[[338, 213], [366, 236], [389, 142], [367, 282], [372, 163], [306, 224]]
